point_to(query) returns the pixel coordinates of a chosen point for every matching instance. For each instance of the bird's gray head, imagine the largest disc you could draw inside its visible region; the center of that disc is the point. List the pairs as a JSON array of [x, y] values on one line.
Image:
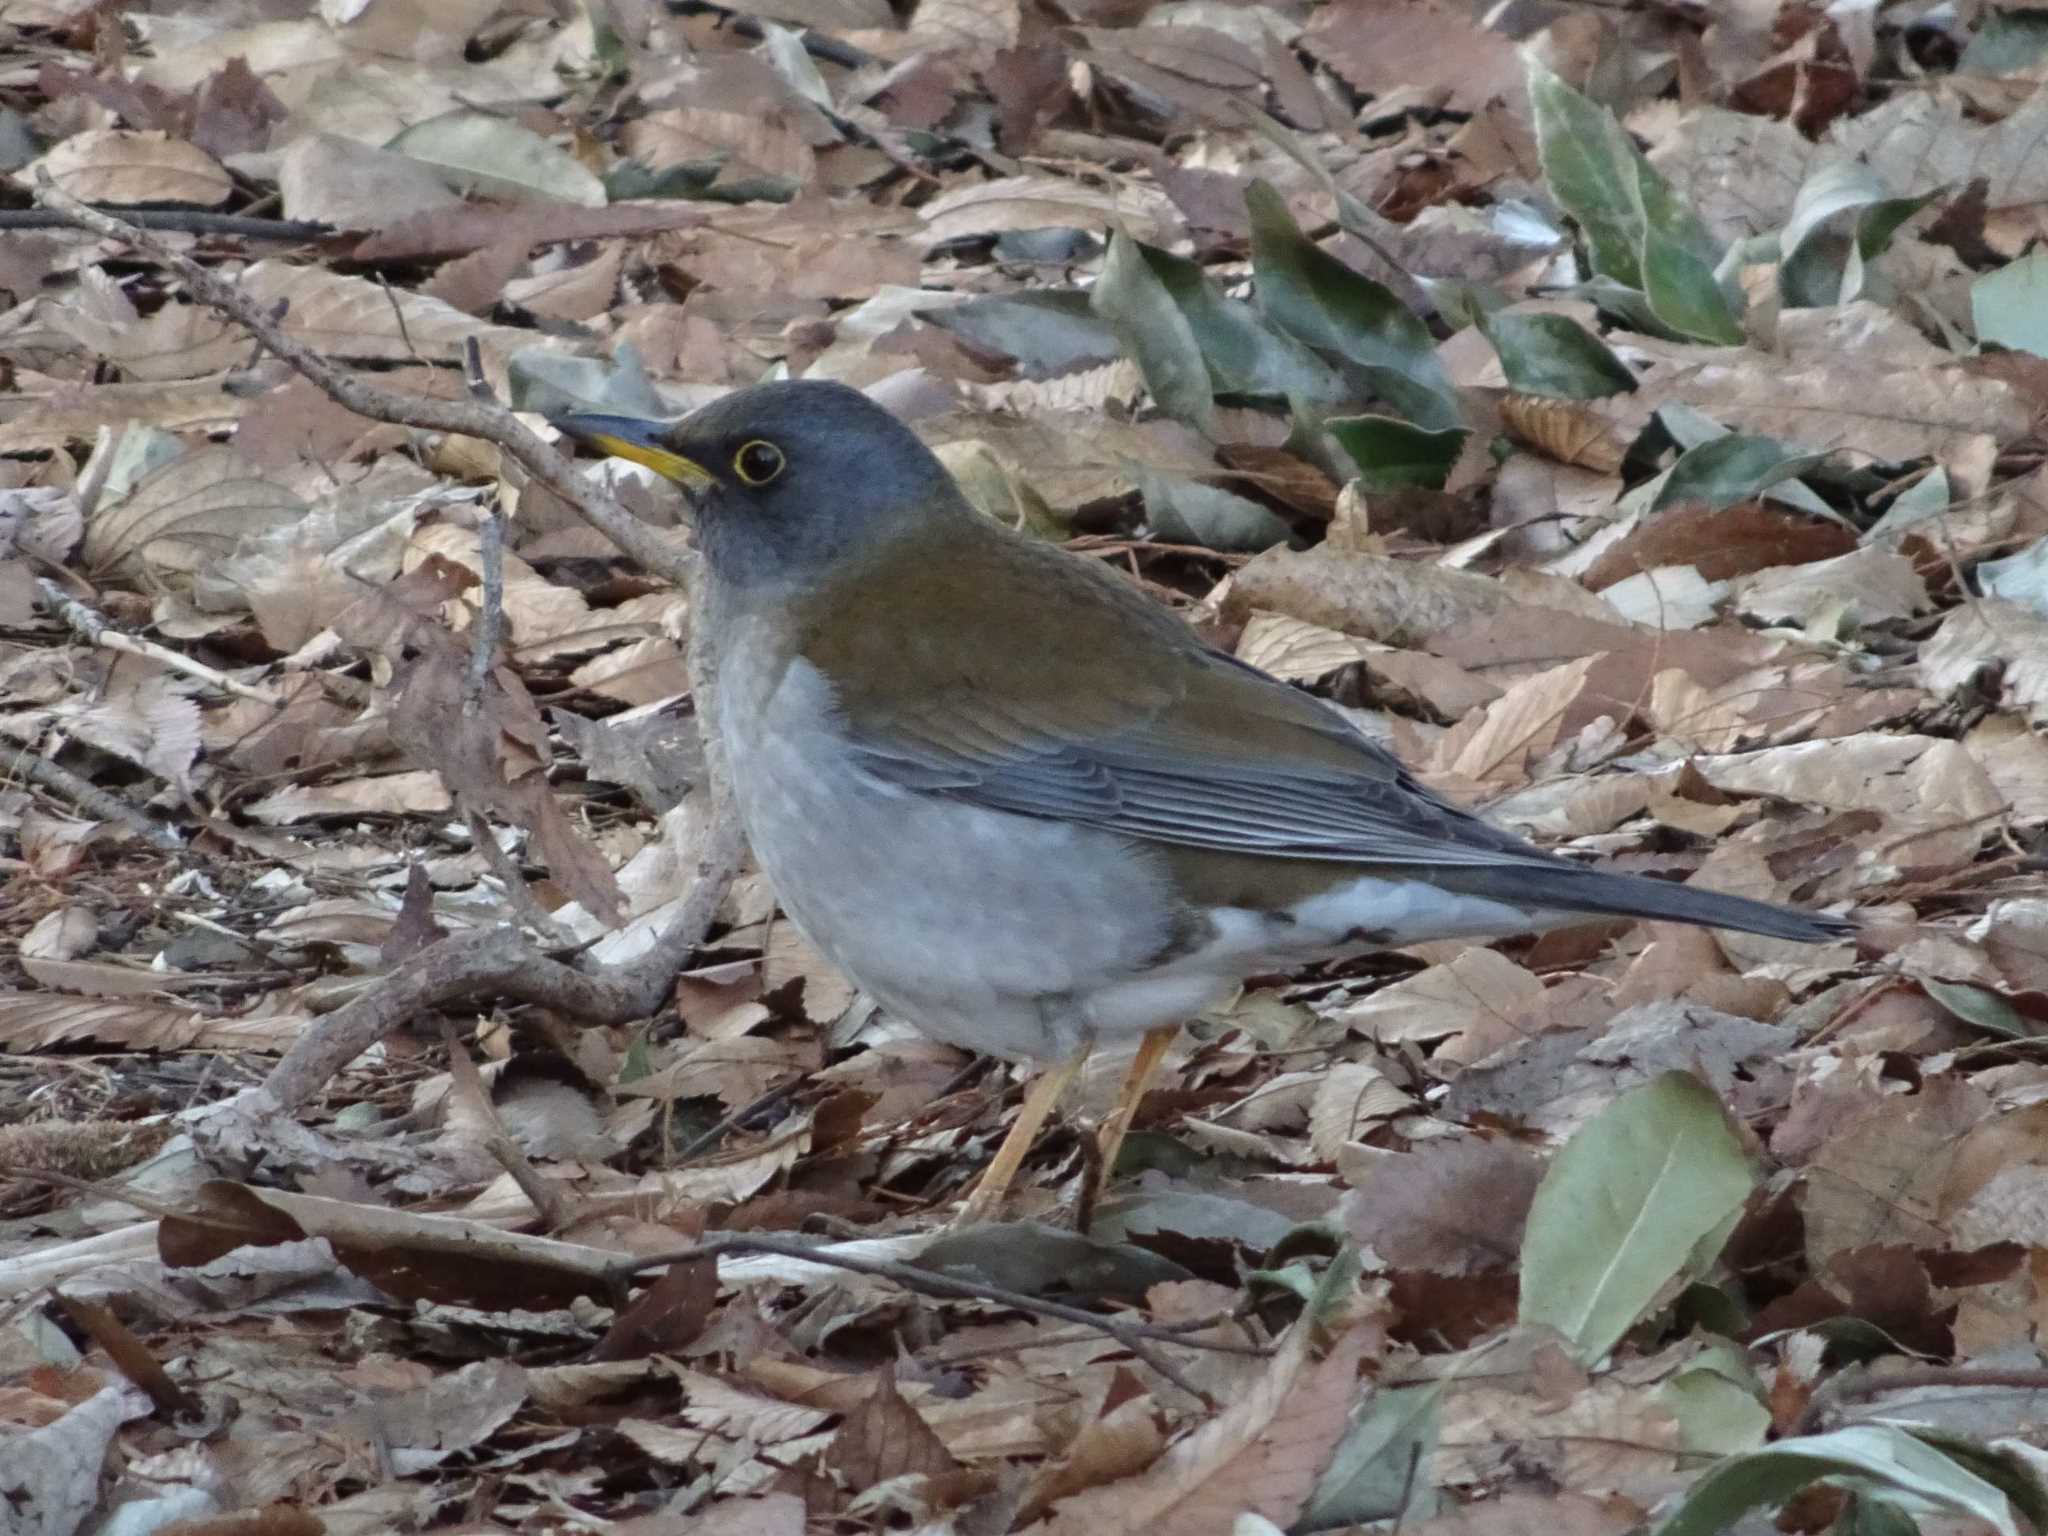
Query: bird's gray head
[[788, 479]]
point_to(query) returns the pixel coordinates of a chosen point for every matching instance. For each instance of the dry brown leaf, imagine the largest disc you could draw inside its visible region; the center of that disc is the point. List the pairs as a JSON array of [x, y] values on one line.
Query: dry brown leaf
[[981, 208], [886, 1438], [1202, 73], [187, 514], [1262, 1455], [1581, 433], [1122, 1443], [764, 142], [31, 1022], [1607, 1435], [1453, 1206], [1294, 651], [1720, 542], [977, 27], [1985, 635], [123, 166], [1478, 994], [354, 318], [352, 185], [1395, 602], [1865, 586], [1886, 1179], [1351, 1097], [1495, 746], [1855, 379]]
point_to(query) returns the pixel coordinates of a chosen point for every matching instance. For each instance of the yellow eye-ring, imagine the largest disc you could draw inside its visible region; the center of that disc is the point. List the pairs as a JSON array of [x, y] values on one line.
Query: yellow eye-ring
[[757, 462]]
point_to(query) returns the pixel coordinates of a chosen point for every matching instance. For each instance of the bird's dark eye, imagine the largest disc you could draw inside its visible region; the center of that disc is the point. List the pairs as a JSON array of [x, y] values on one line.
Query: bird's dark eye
[[757, 462]]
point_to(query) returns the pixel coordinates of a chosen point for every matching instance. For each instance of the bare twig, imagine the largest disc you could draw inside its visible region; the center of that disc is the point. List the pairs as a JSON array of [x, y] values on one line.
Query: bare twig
[[183, 221], [1849, 1386], [529, 909], [1138, 1338], [733, 1121], [817, 44], [635, 538], [490, 619], [463, 1075], [95, 629], [91, 799], [497, 962]]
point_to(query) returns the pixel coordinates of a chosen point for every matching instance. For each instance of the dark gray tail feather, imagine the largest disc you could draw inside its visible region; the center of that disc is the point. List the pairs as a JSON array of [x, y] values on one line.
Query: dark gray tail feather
[[1568, 887]]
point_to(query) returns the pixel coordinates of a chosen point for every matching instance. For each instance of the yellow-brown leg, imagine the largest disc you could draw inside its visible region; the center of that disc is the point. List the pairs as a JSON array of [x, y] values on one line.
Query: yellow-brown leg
[[1110, 1136], [986, 1202]]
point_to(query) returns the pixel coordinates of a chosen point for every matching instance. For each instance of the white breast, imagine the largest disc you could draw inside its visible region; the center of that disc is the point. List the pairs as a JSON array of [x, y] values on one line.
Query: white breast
[[1006, 934]]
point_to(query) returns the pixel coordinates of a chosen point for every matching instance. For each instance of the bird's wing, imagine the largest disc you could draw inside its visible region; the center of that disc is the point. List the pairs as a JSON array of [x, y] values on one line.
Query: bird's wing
[[1116, 716]]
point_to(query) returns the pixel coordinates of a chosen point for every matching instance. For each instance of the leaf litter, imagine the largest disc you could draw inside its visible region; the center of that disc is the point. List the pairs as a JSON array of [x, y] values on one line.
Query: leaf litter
[[1625, 414]]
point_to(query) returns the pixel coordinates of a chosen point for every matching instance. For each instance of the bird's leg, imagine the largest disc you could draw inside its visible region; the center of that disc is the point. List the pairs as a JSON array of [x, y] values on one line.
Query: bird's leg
[[1110, 1135], [987, 1200]]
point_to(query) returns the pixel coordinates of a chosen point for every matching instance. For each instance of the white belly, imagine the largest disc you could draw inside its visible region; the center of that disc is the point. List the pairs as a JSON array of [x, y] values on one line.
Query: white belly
[[1008, 934], [999, 933]]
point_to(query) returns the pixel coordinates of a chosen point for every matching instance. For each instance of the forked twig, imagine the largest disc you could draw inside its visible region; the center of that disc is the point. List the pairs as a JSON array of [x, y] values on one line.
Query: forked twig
[[1138, 1338]]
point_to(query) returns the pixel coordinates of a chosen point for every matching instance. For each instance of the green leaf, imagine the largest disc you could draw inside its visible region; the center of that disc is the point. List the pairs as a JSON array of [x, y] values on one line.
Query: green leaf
[[1808, 274], [1316, 298], [1731, 469], [1046, 330], [1245, 354], [1718, 1414], [1590, 166], [1920, 500], [2006, 43], [1184, 511], [1980, 1007], [1621, 1207], [1136, 305], [2010, 306], [1638, 231], [2003, 1469], [477, 152], [1882, 220], [1872, 1517], [1551, 354], [2021, 577], [1392, 454], [1684, 295], [1880, 1461], [1376, 1472], [695, 180]]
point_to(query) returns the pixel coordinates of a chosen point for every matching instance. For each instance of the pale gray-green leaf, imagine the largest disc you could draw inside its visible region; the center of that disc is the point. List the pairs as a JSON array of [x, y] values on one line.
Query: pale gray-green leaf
[[475, 152], [1623, 1204], [1882, 1461], [2010, 306], [1135, 304]]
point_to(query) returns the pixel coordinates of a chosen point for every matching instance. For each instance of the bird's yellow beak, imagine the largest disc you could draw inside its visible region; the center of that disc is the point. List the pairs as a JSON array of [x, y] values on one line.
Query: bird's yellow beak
[[631, 437]]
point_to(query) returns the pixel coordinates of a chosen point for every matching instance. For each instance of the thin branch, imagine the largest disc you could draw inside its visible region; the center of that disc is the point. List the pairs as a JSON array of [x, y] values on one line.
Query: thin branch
[[819, 46], [463, 1077], [490, 619], [1849, 1386], [498, 961], [649, 549], [182, 221], [1138, 1338], [91, 799], [95, 628], [506, 868]]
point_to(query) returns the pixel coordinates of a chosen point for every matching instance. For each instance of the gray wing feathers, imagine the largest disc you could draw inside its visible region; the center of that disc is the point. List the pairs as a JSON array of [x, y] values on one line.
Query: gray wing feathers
[[1154, 782]]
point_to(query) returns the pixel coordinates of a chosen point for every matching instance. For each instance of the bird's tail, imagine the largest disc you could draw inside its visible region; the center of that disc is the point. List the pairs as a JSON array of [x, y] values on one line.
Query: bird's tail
[[1576, 888]]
